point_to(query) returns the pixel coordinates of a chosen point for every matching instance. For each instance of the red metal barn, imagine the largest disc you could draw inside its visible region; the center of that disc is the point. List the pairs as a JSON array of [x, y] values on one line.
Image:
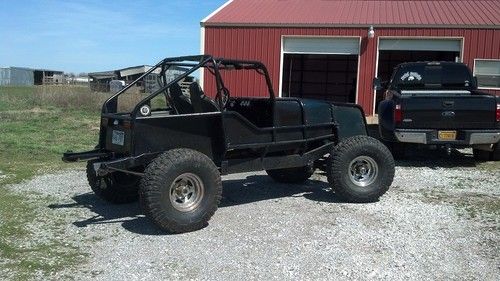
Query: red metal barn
[[333, 49]]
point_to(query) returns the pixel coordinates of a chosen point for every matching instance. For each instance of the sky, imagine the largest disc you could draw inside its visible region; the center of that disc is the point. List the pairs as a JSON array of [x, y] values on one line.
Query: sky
[[87, 36]]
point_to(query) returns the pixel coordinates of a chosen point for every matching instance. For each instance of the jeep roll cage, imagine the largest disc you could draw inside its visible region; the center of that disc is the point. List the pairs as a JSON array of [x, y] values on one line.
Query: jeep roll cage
[[192, 64]]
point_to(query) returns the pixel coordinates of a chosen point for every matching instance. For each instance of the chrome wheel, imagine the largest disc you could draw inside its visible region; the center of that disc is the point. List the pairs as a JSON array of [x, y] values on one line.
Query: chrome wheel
[[363, 171], [186, 192]]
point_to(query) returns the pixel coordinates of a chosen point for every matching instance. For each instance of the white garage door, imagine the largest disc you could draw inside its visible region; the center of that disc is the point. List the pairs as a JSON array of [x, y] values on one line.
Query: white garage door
[[450, 45], [321, 45]]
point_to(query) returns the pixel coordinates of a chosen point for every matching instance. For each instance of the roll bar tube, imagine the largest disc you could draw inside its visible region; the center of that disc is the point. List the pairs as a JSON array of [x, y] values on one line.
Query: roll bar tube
[[203, 61]]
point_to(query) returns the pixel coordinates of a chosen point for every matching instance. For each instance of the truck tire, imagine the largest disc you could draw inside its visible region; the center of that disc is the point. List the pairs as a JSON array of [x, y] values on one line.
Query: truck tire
[[291, 175], [481, 155], [360, 169], [116, 187], [181, 190], [495, 154]]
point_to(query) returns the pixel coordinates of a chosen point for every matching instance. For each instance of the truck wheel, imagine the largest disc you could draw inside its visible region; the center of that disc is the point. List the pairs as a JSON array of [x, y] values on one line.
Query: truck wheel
[[481, 155], [360, 169], [291, 175], [116, 187], [181, 190]]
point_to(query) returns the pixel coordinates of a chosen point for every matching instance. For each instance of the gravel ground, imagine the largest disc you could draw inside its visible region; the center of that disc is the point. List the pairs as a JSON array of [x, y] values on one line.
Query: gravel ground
[[440, 220]]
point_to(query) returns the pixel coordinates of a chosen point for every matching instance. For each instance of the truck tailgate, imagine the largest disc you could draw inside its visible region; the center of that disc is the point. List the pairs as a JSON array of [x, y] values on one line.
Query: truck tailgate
[[448, 112]]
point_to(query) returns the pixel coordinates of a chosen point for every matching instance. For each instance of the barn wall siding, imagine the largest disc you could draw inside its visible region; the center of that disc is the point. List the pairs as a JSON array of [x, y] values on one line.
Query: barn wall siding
[[264, 44]]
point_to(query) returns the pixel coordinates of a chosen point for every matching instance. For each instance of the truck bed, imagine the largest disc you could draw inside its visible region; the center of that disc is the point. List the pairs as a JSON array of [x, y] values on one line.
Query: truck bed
[[452, 110]]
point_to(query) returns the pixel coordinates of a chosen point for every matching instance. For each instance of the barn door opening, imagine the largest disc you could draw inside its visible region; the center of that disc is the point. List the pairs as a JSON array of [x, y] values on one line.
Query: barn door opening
[[395, 51], [325, 77], [320, 68]]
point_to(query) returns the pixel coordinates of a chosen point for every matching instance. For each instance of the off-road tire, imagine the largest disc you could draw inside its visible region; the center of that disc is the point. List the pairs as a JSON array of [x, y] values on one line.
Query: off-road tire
[[116, 187], [160, 177], [481, 155], [341, 161], [291, 175]]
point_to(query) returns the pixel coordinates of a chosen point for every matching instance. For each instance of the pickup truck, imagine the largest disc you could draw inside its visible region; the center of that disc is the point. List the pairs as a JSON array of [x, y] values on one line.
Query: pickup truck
[[437, 103]]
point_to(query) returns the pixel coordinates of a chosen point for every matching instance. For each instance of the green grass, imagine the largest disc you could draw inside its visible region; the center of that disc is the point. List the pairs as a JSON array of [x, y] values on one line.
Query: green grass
[[33, 136], [468, 204], [38, 124], [490, 166]]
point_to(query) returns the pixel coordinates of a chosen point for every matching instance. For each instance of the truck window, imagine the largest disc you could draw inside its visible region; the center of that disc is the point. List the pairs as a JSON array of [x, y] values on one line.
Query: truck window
[[432, 76]]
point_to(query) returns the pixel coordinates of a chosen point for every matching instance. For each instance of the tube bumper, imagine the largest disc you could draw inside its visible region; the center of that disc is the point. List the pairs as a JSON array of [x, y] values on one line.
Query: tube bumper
[[124, 165], [71, 156]]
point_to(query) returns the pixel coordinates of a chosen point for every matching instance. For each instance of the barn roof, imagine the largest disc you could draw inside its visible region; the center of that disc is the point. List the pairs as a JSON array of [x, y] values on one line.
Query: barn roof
[[357, 13]]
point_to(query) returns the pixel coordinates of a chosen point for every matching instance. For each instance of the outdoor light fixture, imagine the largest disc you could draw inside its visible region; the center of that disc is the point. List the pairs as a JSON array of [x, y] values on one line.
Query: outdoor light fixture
[[371, 32]]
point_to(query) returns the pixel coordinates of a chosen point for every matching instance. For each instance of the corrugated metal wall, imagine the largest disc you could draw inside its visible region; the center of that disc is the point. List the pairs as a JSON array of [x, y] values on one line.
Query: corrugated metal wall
[[4, 76], [264, 44], [15, 76]]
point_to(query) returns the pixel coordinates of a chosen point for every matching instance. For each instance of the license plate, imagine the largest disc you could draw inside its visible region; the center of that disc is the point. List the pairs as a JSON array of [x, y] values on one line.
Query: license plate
[[118, 137], [447, 135]]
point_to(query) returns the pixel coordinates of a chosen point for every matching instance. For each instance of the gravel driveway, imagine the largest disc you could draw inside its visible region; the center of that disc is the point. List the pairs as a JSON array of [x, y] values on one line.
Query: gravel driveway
[[439, 220]]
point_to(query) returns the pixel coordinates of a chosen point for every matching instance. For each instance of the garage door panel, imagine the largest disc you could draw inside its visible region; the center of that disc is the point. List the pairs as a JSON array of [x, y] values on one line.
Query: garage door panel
[[451, 45], [321, 45]]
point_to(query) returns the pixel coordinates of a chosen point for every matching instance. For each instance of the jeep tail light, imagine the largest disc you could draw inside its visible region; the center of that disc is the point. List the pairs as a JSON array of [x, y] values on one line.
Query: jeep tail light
[[398, 114], [104, 122], [127, 124], [498, 112]]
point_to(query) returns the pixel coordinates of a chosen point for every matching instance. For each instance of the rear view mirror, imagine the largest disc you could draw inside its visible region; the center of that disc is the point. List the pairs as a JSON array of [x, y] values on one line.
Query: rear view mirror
[[377, 85]]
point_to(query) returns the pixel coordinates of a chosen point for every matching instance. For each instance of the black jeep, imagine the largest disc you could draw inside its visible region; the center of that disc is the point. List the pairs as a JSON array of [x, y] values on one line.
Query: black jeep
[[172, 156]]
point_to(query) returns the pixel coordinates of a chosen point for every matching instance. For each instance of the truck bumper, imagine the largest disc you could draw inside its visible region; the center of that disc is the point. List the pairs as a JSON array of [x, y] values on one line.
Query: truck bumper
[[463, 137]]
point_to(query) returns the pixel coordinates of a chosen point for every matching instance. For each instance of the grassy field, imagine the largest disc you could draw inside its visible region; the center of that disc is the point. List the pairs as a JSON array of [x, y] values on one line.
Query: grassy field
[[38, 124], [35, 131]]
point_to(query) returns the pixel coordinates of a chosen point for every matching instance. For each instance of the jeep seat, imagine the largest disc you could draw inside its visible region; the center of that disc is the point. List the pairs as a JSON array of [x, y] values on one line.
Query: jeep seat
[[181, 103], [201, 103]]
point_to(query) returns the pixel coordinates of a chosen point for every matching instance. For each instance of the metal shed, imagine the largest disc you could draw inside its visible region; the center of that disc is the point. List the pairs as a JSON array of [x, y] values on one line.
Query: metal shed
[[48, 77], [99, 81], [333, 49], [16, 76]]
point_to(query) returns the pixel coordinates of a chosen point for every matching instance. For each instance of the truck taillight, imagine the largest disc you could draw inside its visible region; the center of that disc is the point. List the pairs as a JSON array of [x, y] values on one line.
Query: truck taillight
[[398, 114], [498, 112]]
